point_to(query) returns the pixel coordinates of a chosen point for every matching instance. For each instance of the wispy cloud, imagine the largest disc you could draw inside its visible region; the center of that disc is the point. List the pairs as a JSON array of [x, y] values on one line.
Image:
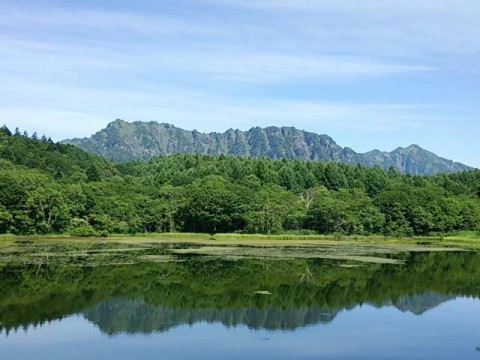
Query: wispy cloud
[[360, 5], [83, 111], [270, 67], [406, 28], [68, 65], [346, 67], [221, 62]]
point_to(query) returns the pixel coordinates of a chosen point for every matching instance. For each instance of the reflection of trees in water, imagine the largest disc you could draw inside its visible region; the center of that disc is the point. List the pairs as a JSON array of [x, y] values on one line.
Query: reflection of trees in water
[[157, 296], [307, 277]]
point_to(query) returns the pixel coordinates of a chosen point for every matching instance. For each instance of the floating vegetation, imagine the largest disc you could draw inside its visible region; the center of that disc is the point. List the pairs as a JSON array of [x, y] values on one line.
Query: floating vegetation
[[350, 266], [262, 292], [158, 258], [93, 252], [354, 253]]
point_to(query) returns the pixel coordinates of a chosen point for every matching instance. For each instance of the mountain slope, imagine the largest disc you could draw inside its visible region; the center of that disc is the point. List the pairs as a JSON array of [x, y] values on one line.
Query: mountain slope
[[412, 160], [123, 141]]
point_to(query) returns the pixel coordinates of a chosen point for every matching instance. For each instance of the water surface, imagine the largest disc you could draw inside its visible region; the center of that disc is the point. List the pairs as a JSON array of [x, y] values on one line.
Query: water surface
[[200, 307]]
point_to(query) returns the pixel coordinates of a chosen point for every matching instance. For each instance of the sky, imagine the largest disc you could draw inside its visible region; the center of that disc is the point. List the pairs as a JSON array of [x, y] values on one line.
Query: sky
[[372, 74]]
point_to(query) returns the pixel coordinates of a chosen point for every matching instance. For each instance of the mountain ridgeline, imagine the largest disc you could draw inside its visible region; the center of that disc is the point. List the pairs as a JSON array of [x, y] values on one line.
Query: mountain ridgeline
[[122, 141]]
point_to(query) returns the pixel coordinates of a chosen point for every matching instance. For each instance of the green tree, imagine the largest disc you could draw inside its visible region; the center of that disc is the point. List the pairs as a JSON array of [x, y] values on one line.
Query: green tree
[[214, 205], [47, 207], [344, 211], [273, 210], [93, 174], [6, 220]]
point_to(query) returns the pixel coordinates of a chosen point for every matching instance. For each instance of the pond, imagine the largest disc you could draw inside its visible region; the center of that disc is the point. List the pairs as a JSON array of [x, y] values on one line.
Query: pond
[[181, 304]]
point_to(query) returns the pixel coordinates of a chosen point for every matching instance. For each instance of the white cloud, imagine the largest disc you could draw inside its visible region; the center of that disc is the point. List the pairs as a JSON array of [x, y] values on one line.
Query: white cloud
[[36, 60], [270, 67], [76, 112], [211, 64], [408, 28], [360, 5]]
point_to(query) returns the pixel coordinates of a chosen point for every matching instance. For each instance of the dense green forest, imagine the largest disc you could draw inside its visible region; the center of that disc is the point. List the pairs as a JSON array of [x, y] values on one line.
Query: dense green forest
[[47, 187]]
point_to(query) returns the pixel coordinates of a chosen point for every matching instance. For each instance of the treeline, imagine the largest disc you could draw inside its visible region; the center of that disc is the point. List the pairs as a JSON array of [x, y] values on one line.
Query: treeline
[[46, 187]]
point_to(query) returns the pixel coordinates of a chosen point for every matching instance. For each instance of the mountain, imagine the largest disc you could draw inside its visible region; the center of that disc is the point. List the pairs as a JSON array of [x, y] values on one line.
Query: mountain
[[412, 160], [124, 141]]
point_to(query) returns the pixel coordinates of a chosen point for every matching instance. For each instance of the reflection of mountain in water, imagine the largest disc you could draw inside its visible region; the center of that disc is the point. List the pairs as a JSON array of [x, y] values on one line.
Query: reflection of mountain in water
[[135, 316], [418, 304], [151, 297]]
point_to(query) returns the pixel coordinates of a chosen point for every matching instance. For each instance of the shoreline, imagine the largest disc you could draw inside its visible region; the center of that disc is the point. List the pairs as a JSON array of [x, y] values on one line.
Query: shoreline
[[281, 240]]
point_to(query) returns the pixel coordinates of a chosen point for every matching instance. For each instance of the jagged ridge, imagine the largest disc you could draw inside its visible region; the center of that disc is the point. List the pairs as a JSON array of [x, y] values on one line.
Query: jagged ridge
[[124, 141]]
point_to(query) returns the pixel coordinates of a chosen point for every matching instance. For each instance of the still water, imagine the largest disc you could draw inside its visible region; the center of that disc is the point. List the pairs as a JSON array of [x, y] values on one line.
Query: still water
[[427, 307]]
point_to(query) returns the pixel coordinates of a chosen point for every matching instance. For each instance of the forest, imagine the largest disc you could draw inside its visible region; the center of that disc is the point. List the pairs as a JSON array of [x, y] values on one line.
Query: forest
[[53, 188]]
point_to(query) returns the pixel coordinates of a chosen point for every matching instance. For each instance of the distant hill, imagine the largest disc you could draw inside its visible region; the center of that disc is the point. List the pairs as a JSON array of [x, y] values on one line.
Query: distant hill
[[123, 141]]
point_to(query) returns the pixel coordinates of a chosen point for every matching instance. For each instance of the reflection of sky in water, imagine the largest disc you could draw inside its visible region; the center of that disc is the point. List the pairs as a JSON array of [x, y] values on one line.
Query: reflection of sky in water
[[449, 331]]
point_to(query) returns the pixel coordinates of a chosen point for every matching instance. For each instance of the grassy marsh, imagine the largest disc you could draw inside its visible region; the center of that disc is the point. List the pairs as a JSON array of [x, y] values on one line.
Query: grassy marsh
[[177, 247]]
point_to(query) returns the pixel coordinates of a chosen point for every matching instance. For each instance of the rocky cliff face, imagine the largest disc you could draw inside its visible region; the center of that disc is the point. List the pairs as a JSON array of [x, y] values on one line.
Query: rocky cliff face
[[123, 141]]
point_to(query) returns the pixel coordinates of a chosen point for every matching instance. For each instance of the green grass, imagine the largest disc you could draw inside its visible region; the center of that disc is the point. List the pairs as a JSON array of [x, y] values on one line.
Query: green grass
[[124, 249], [465, 235], [470, 240]]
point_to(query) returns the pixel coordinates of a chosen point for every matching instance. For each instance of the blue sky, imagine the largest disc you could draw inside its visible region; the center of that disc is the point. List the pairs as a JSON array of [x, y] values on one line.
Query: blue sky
[[369, 73]]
